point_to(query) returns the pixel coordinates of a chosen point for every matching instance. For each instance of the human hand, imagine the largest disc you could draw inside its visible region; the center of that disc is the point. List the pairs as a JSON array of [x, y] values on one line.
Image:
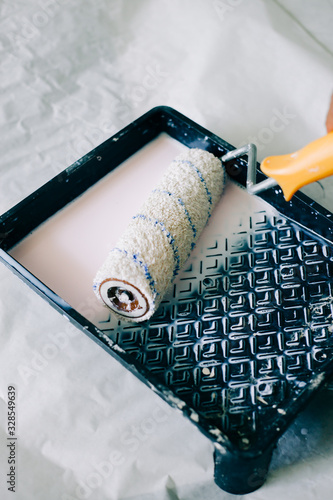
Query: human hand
[[329, 118]]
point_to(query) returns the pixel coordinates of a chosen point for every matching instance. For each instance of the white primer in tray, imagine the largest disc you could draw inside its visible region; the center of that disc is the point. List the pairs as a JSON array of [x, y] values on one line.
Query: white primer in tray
[[66, 251]]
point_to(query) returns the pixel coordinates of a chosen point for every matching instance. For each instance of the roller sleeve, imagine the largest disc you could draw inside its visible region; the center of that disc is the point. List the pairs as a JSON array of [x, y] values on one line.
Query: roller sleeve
[[138, 272]]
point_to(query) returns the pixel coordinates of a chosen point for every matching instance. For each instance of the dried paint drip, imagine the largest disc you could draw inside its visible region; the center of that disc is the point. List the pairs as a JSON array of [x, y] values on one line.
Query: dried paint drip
[[140, 269]]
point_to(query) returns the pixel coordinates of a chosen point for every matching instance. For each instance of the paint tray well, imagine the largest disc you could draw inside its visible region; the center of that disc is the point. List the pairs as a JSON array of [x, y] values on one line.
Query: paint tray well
[[245, 336]]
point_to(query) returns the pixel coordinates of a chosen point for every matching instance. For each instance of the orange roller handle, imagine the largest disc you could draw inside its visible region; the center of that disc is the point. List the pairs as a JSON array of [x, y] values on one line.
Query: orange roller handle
[[309, 164]]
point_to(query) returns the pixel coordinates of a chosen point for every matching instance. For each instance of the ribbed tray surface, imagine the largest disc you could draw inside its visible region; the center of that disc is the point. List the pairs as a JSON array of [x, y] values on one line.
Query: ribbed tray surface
[[248, 322]]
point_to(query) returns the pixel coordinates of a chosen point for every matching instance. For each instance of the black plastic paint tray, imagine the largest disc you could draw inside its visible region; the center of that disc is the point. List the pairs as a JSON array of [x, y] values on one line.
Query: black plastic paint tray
[[245, 337]]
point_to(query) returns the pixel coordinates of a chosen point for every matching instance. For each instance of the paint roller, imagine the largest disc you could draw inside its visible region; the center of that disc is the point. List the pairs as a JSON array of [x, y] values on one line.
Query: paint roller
[[139, 270]]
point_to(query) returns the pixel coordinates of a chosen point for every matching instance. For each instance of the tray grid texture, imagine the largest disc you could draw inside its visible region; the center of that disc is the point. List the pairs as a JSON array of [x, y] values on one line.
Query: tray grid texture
[[246, 326]]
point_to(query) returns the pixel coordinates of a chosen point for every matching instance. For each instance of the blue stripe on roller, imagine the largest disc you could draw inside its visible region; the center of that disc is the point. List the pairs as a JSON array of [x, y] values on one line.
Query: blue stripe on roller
[[169, 237], [209, 196], [180, 201], [135, 257]]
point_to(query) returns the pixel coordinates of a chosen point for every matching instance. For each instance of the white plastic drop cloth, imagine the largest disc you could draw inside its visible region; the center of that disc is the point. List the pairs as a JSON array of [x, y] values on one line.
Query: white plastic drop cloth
[[72, 74]]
